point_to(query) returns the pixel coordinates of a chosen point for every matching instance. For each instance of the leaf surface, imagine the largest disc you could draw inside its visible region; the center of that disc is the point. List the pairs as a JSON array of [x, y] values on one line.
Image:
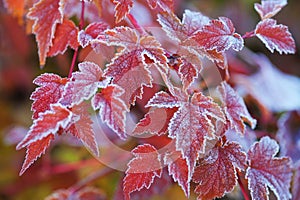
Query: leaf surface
[[275, 36], [142, 169], [46, 15], [91, 32], [235, 109], [267, 171], [217, 172], [269, 8], [49, 92], [122, 9]]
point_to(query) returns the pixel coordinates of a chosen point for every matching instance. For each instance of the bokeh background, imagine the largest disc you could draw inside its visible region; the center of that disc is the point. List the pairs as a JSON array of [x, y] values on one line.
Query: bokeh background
[[19, 66]]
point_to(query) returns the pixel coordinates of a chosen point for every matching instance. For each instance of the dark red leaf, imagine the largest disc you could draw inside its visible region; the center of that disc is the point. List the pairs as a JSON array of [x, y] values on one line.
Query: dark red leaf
[[266, 171], [142, 169], [46, 15], [112, 108], [60, 42], [217, 172], [269, 8], [235, 109], [275, 36], [49, 92]]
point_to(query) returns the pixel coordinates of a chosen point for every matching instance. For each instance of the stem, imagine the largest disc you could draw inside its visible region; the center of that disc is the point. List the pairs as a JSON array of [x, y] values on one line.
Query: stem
[[81, 25], [244, 192], [135, 24], [92, 177], [248, 35]]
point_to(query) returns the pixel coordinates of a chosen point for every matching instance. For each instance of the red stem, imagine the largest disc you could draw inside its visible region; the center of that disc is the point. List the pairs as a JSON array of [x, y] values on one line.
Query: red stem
[[248, 35], [81, 25], [63, 168], [135, 24], [244, 192]]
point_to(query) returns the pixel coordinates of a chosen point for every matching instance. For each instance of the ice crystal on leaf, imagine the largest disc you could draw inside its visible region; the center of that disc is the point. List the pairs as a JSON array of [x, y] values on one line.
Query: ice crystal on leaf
[[269, 8], [267, 171]]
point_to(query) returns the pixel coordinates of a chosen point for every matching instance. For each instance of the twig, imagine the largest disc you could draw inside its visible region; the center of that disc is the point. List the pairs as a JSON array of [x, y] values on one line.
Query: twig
[[244, 192]]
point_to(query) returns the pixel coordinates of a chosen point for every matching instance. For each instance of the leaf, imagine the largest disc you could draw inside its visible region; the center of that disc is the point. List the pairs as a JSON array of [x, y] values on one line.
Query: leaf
[[265, 170], [16, 8], [275, 36], [49, 92], [178, 169], [296, 182], [35, 150], [166, 5], [122, 8], [48, 123], [219, 35], [155, 121], [91, 32], [142, 169], [46, 15], [217, 172], [235, 109], [268, 85], [83, 84], [190, 125], [129, 69], [60, 42], [112, 108], [269, 8], [82, 128], [86, 193]]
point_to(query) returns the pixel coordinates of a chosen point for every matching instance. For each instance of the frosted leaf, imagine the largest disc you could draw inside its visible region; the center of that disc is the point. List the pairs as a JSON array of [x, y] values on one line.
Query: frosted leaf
[[269, 8]]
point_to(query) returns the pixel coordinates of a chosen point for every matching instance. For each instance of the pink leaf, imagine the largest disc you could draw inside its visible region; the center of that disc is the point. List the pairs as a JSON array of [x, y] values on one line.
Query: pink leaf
[[84, 84], [267, 171], [92, 31], [275, 36], [269, 8], [235, 109], [112, 108], [82, 127], [178, 169], [122, 8], [46, 15], [34, 151], [166, 5], [48, 123], [217, 172], [219, 35], [49, 92], [142, 169]]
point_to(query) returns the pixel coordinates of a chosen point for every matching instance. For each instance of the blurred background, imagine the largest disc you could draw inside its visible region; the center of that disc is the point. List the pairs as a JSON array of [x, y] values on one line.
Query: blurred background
[[19, 66]]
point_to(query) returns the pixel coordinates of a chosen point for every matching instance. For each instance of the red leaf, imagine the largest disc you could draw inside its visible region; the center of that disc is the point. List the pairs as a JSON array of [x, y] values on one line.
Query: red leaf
[[82, 127], [60, 42], [178, 169], [129, 69], [269, 8], [35, 150], [83, 84], [92, 31], [122, 8], [275, 36], [190, 125], [48, 123], [49, 92], [46, 15], [235, 109], [112, 108], [296, 182], [86, 193], [267, 171], [142, 169], [216, 173], [166, 5], [155, 121], [219, 35]]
